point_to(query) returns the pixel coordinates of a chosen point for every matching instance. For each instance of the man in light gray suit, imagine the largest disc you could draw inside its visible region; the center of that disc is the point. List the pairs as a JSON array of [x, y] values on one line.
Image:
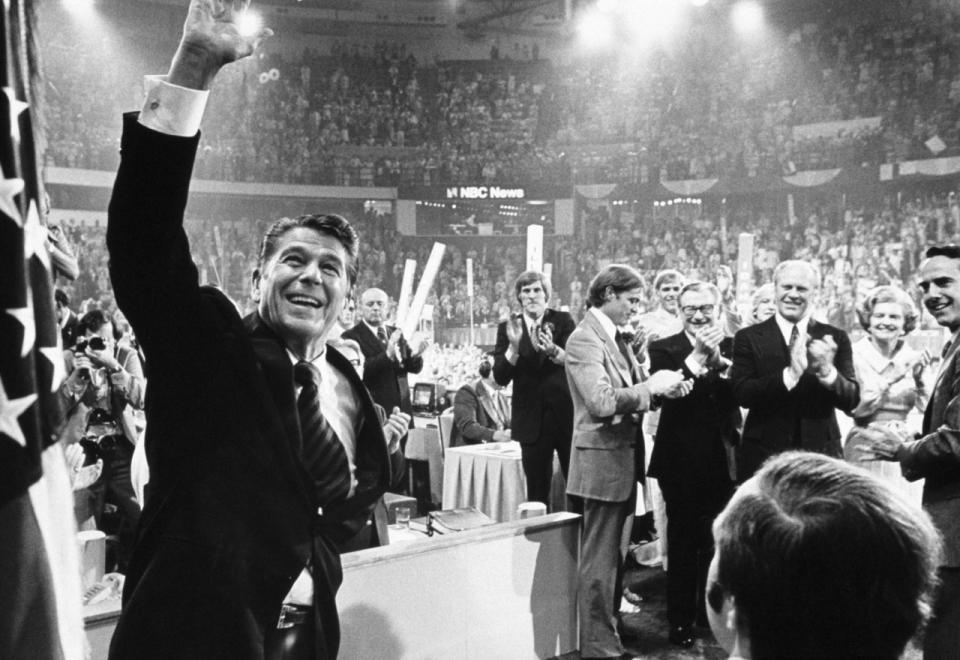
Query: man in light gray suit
[[935, 454], [606, 458]]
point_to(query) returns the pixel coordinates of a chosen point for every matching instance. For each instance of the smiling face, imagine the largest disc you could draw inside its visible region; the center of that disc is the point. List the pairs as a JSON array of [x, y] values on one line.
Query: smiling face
[[698, 310], [300, 288], [940, 284], [794, 286], [669, 292], [887, 321]]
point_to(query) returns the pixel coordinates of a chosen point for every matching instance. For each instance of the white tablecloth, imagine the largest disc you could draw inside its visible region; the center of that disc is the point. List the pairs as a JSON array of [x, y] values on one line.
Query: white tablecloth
[[489, 477]]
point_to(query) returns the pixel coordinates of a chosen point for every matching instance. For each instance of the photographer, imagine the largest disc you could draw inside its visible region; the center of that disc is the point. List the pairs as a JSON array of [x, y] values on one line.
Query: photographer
[[104, 393]]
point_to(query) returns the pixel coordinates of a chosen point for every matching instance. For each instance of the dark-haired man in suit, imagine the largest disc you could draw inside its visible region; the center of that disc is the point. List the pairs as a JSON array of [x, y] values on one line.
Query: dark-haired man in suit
[[265, 449], [690, 455], [530, 352], [935, 455], [607, 456], [792, 374], [480, 411]]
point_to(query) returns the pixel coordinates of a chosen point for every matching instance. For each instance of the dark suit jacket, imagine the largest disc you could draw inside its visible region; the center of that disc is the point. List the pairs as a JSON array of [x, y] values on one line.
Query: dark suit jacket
[[778, 419], [695, 432], [386, 380], [474, 415], [539, 386], [935, 457], [232, 518]]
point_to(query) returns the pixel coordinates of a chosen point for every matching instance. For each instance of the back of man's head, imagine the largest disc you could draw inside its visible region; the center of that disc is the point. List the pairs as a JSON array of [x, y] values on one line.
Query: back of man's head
[[822, 560]]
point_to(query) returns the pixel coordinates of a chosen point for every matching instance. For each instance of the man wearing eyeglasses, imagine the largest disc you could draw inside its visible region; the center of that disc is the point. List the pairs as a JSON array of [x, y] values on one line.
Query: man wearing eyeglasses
[[792, 373], [690, 455]]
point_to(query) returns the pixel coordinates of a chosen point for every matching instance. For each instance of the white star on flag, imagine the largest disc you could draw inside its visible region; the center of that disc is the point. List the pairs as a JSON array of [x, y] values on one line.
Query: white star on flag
[[10, 410], [10, 188], [35, 237], [16, 107], [24, 315], [54, 355]]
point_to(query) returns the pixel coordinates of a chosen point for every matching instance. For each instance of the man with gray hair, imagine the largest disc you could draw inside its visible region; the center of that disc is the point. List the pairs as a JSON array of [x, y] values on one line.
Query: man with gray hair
[[690, 455], [791, 373]]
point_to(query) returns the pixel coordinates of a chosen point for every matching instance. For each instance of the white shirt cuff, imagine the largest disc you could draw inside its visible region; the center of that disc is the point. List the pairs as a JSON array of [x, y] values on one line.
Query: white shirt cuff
[[172, 109], [790, 380], [301, 593], [511, 355], [695, 367]]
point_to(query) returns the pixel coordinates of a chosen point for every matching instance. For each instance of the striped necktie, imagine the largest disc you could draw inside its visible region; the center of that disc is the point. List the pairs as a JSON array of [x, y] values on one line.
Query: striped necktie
[[322, 453]]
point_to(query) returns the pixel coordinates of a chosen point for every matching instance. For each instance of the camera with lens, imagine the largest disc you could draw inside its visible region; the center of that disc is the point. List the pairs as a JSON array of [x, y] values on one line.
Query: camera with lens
[[101, 437], [94, 343]]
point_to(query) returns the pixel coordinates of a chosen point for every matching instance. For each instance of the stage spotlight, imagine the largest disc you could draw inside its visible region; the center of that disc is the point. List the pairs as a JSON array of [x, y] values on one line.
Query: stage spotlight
[[595, 30], [79, 7], [249, 23], [655, 19], [747, 16]]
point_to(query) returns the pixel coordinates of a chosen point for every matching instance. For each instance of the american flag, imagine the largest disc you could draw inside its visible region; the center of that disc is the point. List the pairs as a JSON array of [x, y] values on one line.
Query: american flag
[[41, 616]]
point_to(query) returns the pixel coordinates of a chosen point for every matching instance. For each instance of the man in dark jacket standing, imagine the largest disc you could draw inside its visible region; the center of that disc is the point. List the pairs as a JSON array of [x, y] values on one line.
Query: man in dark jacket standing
[[691, 452], [264, 447], [529, 351]]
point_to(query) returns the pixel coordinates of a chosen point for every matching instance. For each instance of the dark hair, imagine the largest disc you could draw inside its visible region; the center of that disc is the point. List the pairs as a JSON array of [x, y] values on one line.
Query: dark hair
[[950, 251], [485, 367], [618, 277], [889, 294], [61, 298], [823, 560], [93, 321], [528, 277], [329, 224]]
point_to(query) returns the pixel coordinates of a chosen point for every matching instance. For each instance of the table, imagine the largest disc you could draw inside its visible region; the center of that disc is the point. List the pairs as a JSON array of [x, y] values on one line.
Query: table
[[487, 476]]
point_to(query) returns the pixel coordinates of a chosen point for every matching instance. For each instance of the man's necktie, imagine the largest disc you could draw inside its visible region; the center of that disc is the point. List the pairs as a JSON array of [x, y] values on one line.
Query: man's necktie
[[382, 335], [946, 349], [794, 336], [322, 453], [625, 352]]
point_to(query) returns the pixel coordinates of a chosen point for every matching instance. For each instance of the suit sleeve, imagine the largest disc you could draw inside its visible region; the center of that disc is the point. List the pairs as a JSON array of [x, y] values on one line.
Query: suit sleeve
[[587, 374], [937, 452], [413, 364], [845, 390], [502, 369], [465, 418], [750, 388]]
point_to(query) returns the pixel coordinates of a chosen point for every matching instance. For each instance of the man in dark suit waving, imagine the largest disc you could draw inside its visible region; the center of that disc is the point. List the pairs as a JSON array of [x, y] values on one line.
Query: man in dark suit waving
[[265, 449], [387, 356], [690, 454], [792, 374], [529, 351]]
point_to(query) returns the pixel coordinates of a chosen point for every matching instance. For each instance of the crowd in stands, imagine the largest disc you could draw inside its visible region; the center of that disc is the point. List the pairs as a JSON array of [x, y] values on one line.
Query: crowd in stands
[[376, 116], [855, 249]]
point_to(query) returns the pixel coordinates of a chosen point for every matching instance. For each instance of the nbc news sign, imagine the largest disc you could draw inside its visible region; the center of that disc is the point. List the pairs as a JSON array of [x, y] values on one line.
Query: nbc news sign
[[484, 192]]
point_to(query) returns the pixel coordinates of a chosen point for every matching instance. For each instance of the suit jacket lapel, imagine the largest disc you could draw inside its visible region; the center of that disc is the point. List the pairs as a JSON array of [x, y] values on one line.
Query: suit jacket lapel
[[941, 389], [277, 372], [612, 350], [486, 401]]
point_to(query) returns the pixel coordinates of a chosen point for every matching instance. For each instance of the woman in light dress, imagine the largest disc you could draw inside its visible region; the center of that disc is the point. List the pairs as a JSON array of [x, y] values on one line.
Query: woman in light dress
[[891, 377]]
